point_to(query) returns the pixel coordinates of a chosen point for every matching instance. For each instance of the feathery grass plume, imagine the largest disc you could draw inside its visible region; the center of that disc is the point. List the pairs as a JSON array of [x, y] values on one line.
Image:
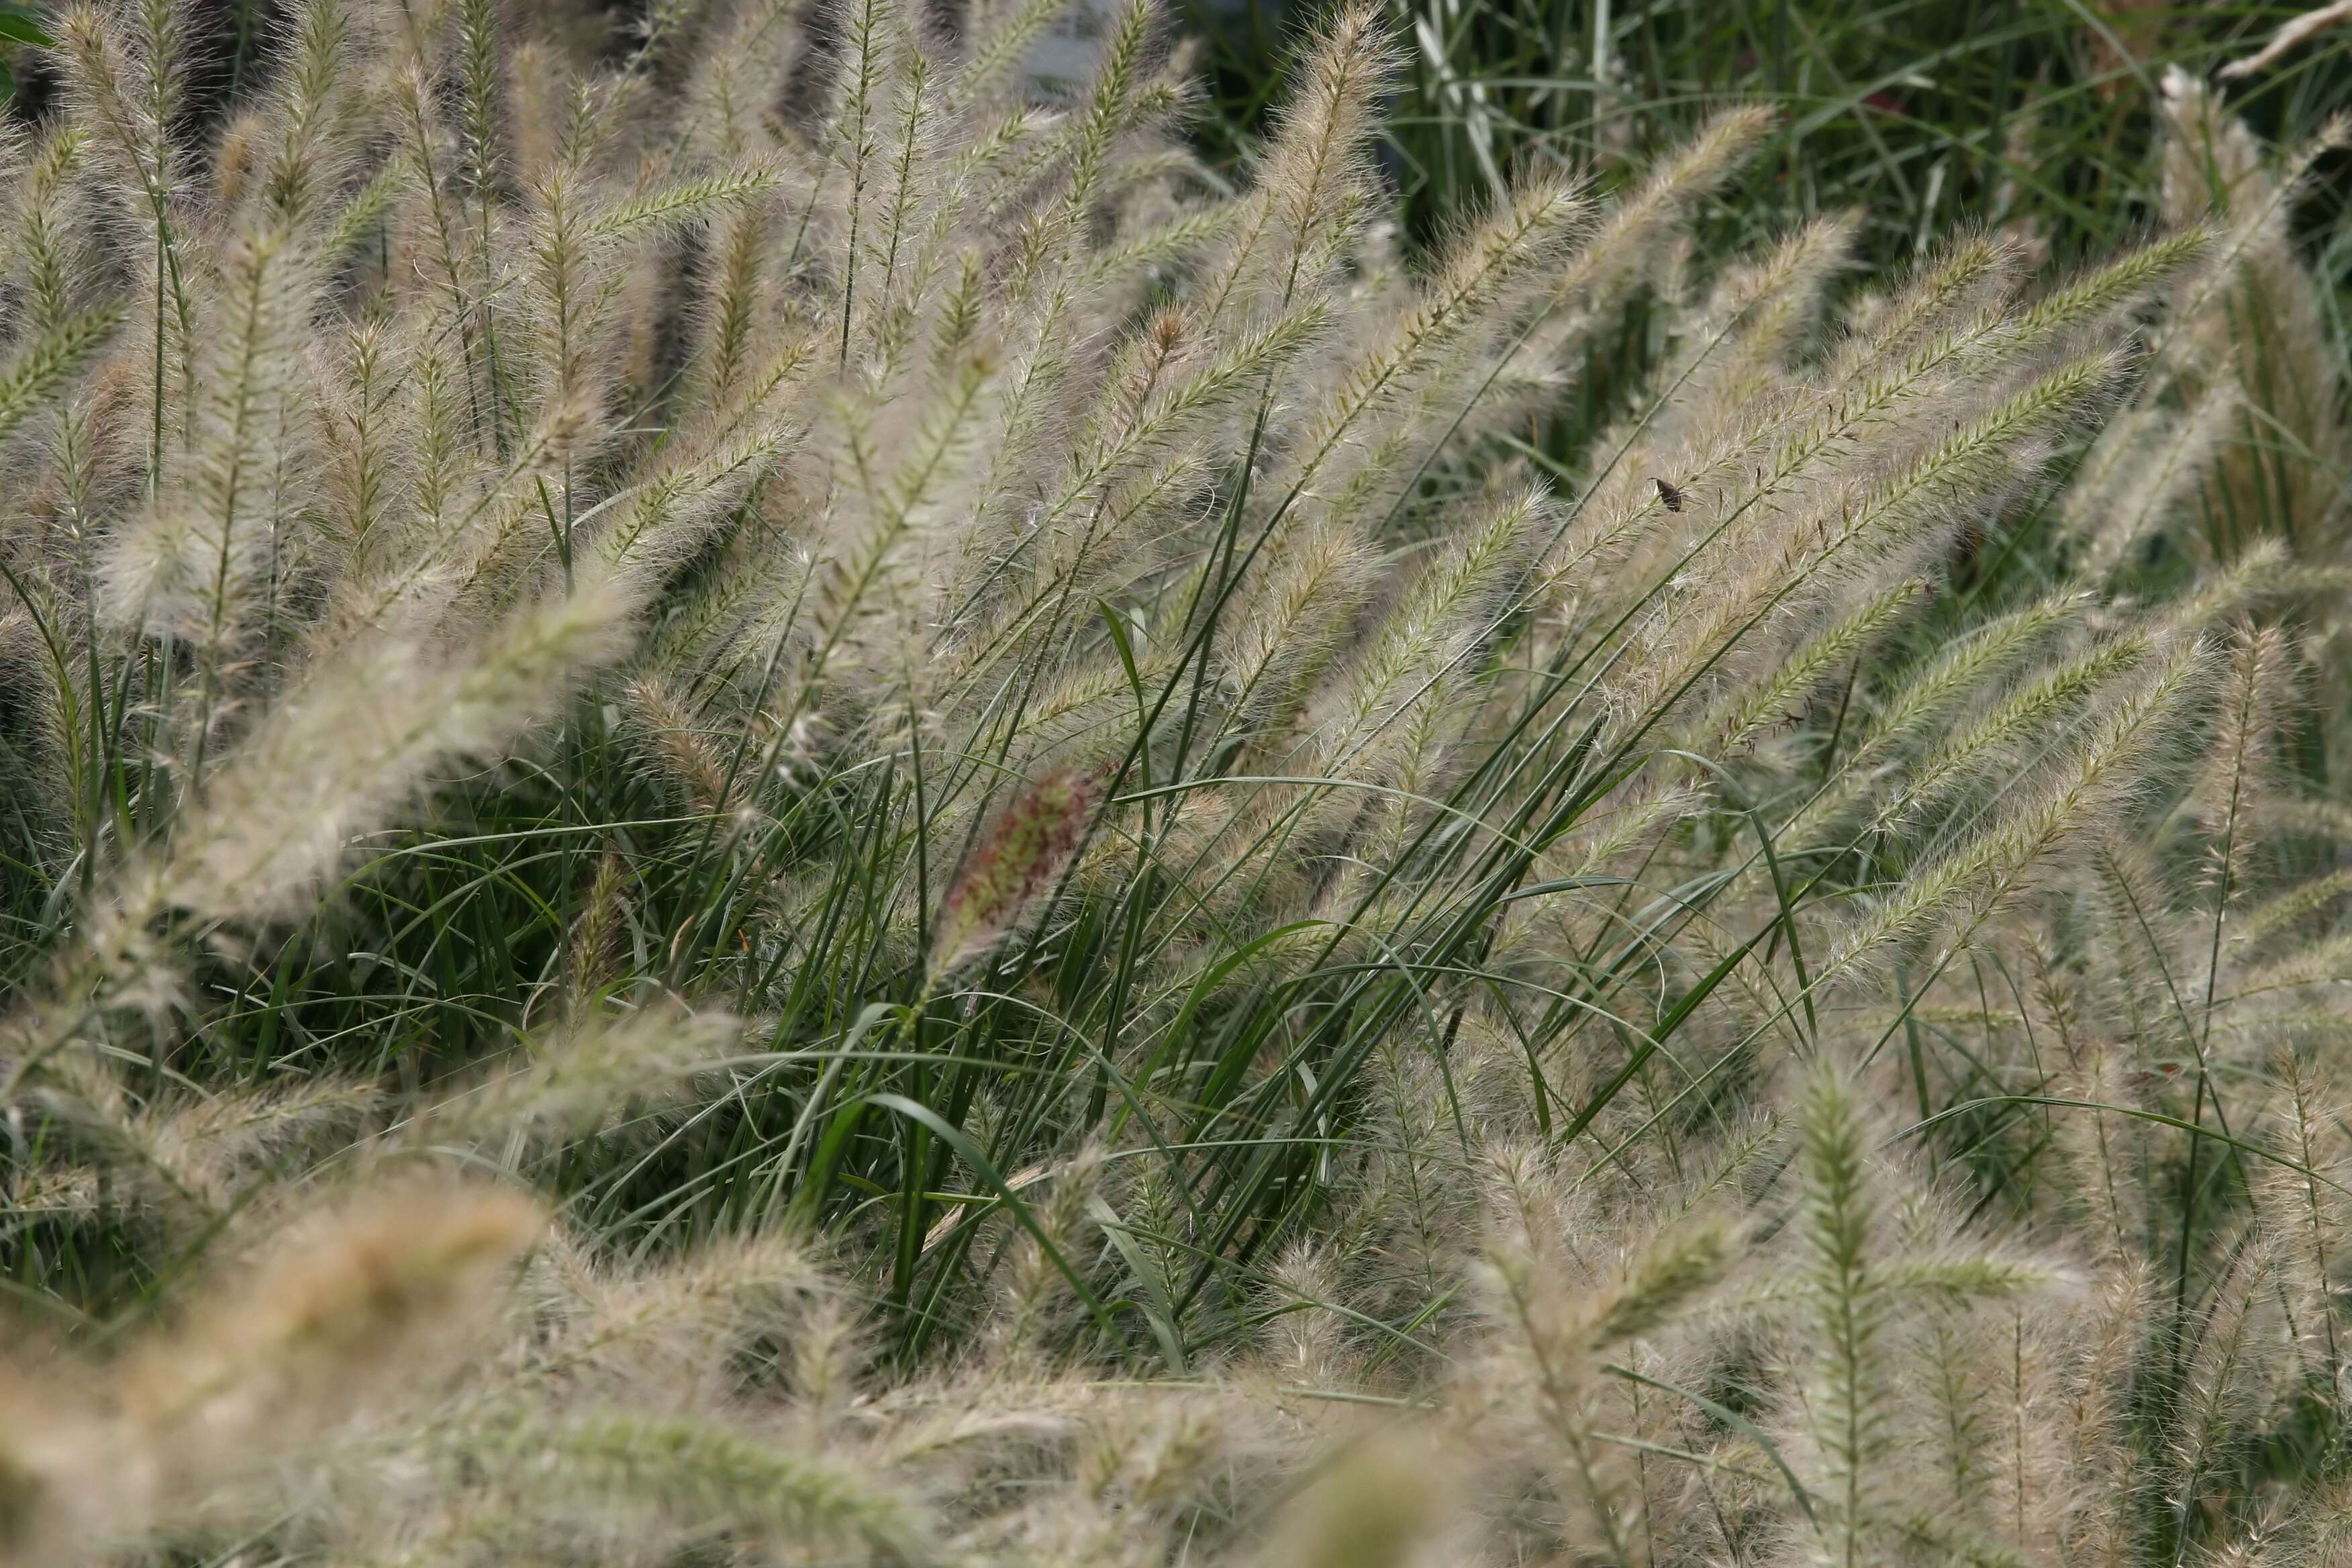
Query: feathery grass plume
[[1374, 1506], [1967, 887], [1641, 227], [1021, 856], [598, 946], [2237, 779], [1242, 834], [1760, 315], [2226, 1382], [679, 746], [209, 568], [230, 864], [126, 92], [699, 1477], [1037, 1295], [2094, 1392], [1310, 189], [1845, 1393], [570, 1082], [2252, 334], [1306, 1341], [2301, 1193], [280, 813], [1810, 666], [1487, 278], [1418, 1197], [1555, 1333], [358, 1305], [2148, 464], [1958, 674], [1948, 1356], [2002, 736], [1412, 663], [224, 1147]]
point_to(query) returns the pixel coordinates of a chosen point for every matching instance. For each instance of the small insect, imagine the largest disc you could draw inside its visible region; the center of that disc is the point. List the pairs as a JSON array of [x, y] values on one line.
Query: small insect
[[1668, 494]]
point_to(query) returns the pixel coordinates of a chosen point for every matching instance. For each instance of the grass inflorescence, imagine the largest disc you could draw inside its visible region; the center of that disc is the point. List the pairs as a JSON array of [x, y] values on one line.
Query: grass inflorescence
[[773, 798]]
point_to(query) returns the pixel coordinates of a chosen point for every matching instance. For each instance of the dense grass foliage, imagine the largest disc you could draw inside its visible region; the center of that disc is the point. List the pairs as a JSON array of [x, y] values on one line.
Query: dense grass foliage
[[1915, 116], [1919, 113], [770, 800]]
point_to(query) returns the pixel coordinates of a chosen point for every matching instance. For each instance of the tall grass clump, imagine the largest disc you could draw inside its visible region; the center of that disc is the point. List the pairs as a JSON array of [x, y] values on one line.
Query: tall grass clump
[[1917, 113], [771, 800]]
